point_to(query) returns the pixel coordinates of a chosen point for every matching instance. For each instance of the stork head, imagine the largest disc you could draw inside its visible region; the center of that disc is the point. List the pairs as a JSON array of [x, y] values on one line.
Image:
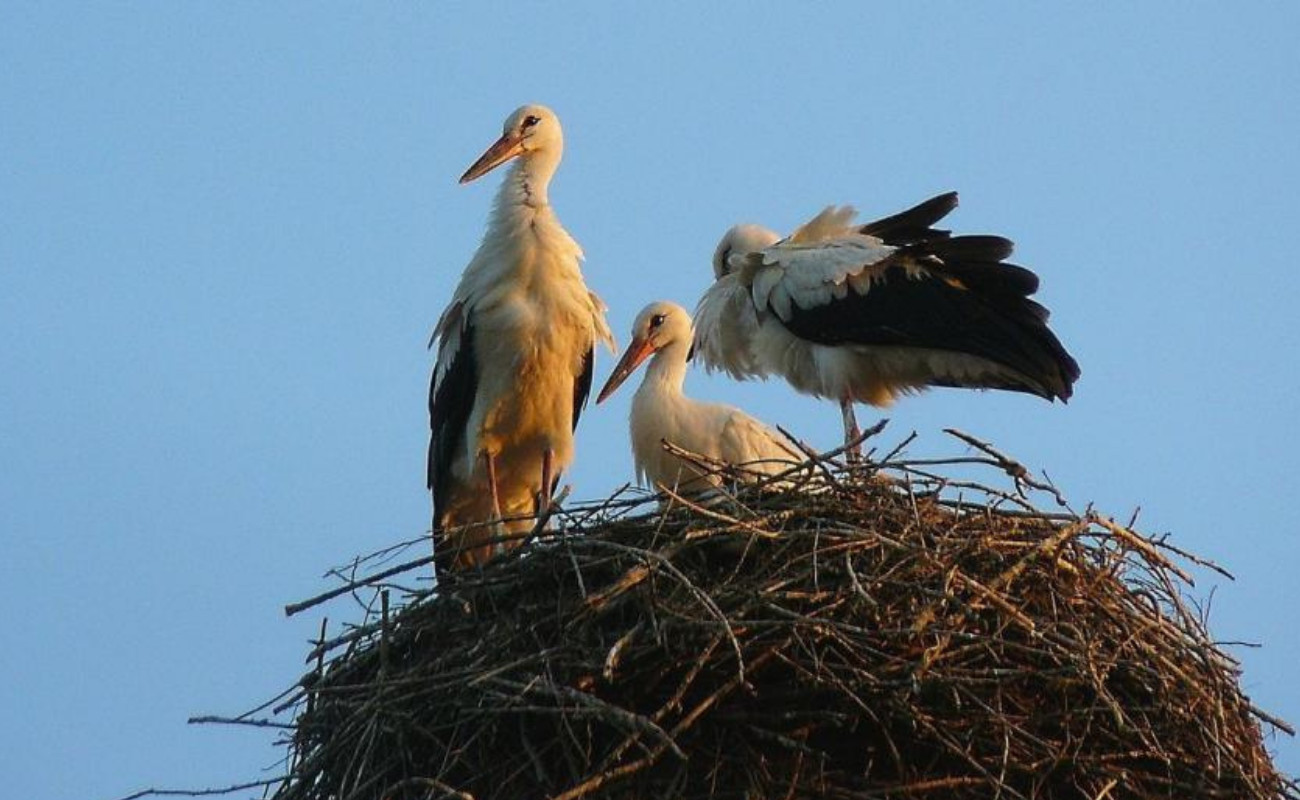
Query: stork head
[[530, 129], [740, 240], [659, 326]]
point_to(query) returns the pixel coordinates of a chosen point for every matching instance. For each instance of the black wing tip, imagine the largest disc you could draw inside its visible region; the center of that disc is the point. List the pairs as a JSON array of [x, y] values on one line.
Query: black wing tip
[[1070, 374], [582, 384], [942, 204], [1062, 392], [914, 224], [934, 209], [1060, 373], [970, 247]]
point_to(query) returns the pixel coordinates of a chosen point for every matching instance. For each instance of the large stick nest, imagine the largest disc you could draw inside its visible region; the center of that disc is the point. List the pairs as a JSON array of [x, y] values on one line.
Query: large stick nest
[[867, 632]]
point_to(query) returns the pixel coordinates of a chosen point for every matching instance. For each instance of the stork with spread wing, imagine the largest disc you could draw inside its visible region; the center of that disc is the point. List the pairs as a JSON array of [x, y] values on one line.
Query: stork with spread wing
[[865, 313]]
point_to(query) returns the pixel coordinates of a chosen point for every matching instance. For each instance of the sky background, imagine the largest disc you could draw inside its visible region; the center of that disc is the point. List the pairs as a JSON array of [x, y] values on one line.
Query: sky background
[[226, 231]]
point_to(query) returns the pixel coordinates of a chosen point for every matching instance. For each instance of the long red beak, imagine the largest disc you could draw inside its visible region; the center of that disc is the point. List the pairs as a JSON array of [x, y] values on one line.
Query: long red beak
[[639, 350], [501, 151]]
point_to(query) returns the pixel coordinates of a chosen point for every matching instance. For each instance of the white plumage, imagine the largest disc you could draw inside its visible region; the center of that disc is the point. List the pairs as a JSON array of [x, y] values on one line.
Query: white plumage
[[867, 313], [661, 412], [515, 352]]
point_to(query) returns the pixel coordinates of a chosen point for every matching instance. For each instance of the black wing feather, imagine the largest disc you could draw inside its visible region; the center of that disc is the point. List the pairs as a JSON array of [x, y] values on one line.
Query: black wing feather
[[914, 224], [977, 261], [582, 385], [450, 403], [988, 315]]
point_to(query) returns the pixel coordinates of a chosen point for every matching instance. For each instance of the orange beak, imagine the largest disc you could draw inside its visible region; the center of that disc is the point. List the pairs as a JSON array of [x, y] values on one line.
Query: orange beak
[[501, 151], [639, 350]]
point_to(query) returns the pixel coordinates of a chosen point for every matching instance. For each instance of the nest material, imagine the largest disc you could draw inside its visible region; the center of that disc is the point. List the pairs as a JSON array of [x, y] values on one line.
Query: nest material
[[862, 633]]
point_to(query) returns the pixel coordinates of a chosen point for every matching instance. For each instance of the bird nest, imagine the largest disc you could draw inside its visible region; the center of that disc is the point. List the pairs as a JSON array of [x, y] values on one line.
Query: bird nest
[[868, 630]]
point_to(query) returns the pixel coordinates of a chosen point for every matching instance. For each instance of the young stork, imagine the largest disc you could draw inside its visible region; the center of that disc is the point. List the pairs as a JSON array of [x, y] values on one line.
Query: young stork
[[662, 332], [868, 313], [515, 351]]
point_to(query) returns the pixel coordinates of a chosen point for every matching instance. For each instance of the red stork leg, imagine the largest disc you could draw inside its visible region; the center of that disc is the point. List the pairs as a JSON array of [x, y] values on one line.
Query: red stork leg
[[498, 529], [548, 467], [851, 431], [490, 462]]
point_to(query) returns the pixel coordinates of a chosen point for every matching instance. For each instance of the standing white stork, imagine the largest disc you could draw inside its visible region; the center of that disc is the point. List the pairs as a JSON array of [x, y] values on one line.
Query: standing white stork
[[660, 412], [515, 352], [866, 313]]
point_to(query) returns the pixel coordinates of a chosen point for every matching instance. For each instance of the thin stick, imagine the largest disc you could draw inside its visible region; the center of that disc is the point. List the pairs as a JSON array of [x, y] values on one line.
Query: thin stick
[[239, 787], [295, 608]]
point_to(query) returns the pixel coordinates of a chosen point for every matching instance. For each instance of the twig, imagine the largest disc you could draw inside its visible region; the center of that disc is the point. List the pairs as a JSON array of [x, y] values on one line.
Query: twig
[[239, 787], [213, 719], [294, 608]]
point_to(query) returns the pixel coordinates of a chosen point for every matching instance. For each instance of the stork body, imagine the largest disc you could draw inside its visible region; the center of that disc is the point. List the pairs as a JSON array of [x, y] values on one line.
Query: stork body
[[661, 412], [515, 355], [868, 313]]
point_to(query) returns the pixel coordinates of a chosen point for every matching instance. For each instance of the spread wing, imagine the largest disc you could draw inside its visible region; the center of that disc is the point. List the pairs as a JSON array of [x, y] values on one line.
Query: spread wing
[[949, 294], [814, 263], [954, 295], [451, 398], [897, 282]]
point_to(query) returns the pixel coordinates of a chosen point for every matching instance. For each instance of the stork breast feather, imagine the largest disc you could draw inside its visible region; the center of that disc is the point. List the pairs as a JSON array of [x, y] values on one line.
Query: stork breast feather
[[602, 331], [726, 322]]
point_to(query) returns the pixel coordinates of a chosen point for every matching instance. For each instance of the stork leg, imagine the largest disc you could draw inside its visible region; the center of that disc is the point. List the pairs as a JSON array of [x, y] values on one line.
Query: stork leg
[[548, 477], [851, 431], [490, 462], [498, 529]]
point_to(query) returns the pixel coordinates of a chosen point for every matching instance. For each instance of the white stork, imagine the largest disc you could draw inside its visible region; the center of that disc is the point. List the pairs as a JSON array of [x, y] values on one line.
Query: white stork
[[867, 313], [660, 412], [515, 352]]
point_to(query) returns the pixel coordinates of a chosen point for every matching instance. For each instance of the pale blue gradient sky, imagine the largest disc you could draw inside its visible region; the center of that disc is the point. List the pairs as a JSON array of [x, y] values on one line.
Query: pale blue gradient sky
[[226, 230]]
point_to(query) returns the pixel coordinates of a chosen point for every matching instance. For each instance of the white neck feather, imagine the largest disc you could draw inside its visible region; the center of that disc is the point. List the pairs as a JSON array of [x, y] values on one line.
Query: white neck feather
[[526, 182], [522, 207], [667, 370]]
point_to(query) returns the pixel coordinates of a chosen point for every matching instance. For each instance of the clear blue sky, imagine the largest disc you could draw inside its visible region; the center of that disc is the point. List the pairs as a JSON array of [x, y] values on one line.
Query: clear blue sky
[[227, 229]]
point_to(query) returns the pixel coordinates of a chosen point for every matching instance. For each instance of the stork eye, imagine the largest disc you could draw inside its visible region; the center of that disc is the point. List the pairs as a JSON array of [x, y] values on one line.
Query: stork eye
[[656, 320], [530, 121]]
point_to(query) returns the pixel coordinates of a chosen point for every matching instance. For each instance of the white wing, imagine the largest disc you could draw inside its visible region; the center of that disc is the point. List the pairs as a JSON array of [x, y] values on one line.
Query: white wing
[[819, 262], [744, 440], [447, 333]]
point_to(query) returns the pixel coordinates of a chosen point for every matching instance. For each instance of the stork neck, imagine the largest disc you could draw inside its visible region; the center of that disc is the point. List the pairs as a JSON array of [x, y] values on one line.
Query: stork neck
[[667, 370], [527, 181]]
